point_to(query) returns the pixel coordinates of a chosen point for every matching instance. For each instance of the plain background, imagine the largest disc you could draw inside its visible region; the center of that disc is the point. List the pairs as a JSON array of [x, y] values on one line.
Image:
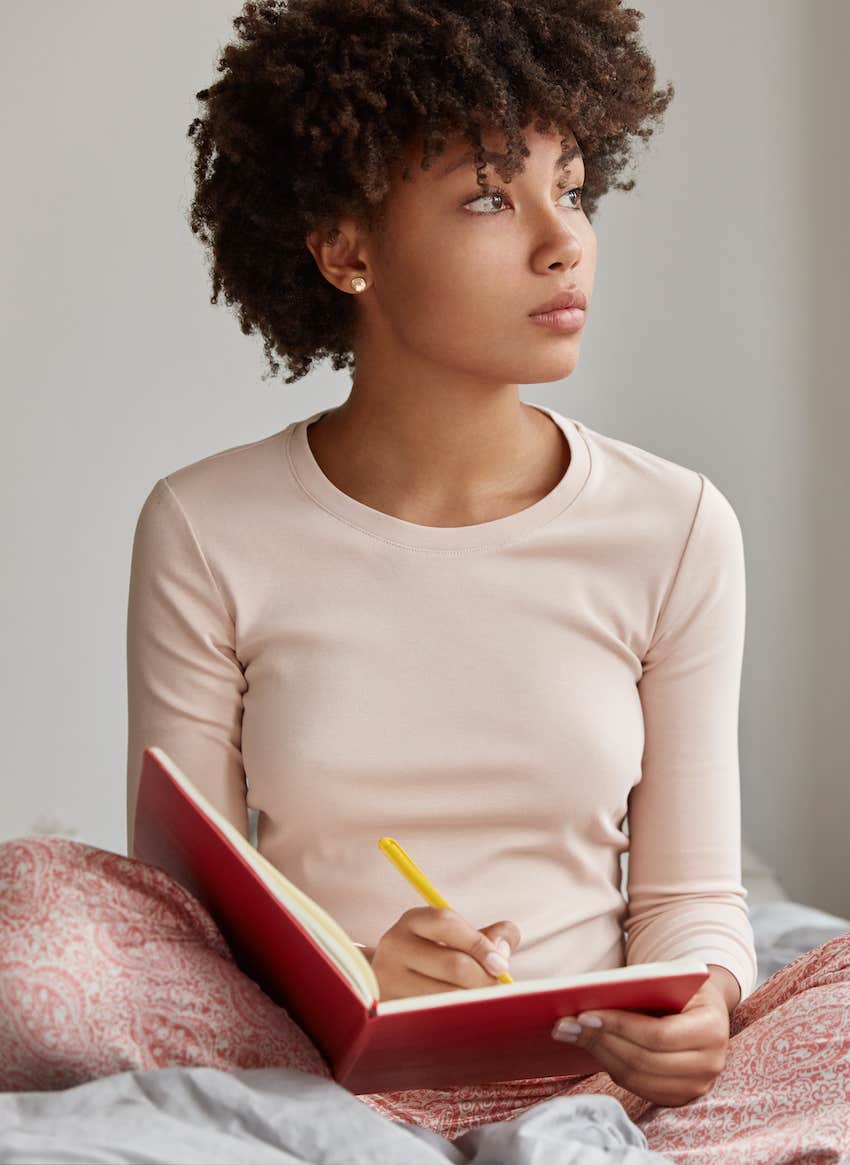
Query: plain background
[[717, 340]]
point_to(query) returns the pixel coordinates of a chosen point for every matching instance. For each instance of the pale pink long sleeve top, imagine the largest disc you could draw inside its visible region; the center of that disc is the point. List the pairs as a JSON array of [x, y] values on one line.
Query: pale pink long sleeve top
[[497, 697]]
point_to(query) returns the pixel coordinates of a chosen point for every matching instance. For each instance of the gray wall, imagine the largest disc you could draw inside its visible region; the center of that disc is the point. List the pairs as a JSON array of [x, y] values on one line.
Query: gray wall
[[719, 309]]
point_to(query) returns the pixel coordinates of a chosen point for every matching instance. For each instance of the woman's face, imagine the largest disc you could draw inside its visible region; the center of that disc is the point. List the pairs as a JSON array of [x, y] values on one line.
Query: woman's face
[[455, 274]]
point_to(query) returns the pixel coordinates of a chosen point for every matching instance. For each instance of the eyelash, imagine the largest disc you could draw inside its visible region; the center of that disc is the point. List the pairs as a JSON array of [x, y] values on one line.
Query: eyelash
[[497, 190]]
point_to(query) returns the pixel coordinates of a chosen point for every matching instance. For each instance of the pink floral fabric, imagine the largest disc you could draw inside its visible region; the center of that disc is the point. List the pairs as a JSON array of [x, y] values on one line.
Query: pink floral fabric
[[109, 965]]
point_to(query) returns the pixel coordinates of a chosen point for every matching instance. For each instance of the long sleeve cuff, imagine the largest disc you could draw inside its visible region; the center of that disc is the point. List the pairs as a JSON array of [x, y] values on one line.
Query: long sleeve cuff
[[694, 934]]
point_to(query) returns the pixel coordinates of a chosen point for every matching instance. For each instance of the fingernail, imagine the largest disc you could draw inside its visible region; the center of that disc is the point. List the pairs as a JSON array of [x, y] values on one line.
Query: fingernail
[[566, 1029], [495, 964], [590, 1020], [504, 946]]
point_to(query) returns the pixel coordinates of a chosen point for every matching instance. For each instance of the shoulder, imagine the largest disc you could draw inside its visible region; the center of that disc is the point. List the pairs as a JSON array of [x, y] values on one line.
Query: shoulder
[[230, 473], [668, 500], [223, 487]]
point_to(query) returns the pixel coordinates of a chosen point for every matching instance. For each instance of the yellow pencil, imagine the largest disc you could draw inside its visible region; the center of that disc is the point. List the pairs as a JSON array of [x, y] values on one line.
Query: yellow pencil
[[408, 867]]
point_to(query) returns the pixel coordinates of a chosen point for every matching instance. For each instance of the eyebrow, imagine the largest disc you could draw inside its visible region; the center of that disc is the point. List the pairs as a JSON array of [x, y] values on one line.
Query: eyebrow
[[567, 156]]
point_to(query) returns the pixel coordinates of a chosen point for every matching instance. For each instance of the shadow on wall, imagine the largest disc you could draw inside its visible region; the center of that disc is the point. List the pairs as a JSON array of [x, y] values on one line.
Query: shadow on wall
[[52, 826]]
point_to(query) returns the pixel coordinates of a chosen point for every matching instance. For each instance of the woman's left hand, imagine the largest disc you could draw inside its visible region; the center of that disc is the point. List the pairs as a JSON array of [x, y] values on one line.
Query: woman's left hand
[[668, 1059]]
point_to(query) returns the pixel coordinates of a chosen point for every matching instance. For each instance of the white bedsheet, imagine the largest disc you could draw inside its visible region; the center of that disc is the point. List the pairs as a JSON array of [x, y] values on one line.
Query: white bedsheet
[[251, 1117]]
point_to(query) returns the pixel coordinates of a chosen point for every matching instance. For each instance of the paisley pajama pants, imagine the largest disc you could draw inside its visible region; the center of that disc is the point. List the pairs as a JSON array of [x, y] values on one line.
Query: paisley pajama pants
[[108, 965]]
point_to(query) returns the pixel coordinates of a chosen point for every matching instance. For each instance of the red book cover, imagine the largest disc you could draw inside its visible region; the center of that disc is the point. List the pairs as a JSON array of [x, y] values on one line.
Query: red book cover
[[306, 963]]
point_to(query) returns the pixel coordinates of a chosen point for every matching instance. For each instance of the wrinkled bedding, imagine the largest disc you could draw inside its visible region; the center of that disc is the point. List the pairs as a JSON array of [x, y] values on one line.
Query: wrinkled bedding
[[784, 930], [280, 1115], [254, 1116]]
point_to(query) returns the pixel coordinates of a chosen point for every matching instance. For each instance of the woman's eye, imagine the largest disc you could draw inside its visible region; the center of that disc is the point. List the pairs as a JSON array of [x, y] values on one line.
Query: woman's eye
[[499, 193]]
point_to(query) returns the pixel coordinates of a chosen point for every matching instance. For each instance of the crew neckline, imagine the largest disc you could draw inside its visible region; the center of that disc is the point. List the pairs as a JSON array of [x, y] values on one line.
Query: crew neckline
[[479, 536]]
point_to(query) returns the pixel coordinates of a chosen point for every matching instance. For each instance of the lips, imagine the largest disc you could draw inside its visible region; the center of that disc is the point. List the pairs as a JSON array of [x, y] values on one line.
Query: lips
[[572, 298]]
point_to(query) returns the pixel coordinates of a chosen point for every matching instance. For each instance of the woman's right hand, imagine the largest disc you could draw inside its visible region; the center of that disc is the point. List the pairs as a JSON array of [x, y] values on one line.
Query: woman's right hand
[[431, 949]]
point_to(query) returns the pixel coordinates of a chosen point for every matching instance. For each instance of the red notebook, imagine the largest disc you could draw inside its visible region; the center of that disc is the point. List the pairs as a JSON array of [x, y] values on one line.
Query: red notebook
[[304, 960]]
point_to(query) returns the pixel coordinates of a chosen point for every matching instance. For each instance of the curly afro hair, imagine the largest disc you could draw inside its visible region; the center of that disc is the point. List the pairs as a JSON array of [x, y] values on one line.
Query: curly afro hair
[[319, 98]]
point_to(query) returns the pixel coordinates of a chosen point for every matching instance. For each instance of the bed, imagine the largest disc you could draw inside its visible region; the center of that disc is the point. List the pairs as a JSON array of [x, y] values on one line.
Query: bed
[[177, 1115]]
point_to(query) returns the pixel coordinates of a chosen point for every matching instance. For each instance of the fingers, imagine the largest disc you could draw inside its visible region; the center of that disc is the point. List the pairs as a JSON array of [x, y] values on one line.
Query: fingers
[[507, 930], [647, 1061], [645, 1068], [679, 1032], [462, 960], [408, 980], [430, 950], [666, 1078]]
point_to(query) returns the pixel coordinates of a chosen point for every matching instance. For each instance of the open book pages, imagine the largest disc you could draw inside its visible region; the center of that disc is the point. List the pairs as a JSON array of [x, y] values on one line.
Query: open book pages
[[330, 936]]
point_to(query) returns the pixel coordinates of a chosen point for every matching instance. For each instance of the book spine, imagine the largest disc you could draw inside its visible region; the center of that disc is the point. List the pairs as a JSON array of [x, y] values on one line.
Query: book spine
[[349, 1060]]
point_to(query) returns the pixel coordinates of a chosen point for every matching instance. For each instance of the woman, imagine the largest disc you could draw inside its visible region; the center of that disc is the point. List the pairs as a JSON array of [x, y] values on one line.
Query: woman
[[435, 612]]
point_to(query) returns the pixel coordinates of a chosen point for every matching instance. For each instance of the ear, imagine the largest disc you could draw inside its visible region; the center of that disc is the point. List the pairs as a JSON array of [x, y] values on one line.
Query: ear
[[338, 252]]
